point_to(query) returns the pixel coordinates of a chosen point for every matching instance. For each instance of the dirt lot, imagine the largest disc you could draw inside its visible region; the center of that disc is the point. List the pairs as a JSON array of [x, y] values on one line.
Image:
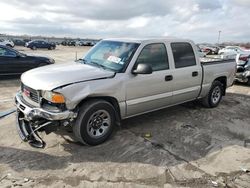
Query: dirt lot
[[189, 146]]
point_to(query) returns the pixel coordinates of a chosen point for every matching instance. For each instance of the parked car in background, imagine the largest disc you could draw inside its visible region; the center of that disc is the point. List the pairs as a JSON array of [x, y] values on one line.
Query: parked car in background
[[243, 68], [64, 43], [215, 48], [71, 43], [92, 43], [19, 42], [79, 43], [13, 62], [34, 44], [209, 49], [8, 43], [115, 80], [233, 50]]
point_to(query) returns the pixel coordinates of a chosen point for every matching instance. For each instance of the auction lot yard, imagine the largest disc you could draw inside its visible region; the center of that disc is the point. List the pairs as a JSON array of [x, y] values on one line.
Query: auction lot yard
[[186, 146]]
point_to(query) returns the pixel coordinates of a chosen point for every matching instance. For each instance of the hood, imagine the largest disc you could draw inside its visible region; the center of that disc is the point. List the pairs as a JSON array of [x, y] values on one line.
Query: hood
[[53, 76]]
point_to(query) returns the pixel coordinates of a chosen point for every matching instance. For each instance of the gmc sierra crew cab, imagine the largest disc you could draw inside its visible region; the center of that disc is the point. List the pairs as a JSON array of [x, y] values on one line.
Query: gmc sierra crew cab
[[115, 80]]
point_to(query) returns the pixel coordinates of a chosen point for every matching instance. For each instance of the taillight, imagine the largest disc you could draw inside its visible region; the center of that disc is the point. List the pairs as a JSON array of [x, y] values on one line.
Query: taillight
[[244, 58]]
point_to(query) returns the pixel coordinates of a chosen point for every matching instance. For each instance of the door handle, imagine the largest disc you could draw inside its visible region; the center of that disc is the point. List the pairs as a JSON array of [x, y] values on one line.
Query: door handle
[[168, 78], [195, 73]]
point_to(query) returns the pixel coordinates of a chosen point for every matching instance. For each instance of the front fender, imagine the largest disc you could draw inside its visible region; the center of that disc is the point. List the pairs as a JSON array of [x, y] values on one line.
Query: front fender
[[75, 93]]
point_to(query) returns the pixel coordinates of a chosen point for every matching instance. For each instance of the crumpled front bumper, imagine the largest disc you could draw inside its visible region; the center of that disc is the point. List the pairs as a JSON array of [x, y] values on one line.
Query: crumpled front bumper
[[35, 112], [27, 124]]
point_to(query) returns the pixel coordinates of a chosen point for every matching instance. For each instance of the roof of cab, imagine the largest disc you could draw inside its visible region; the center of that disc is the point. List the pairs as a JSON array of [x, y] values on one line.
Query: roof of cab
[[149, 40]]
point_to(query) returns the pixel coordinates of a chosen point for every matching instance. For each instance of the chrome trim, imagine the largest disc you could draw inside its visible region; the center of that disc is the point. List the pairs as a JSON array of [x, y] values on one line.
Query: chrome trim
[[30, 101], [34, 112], [149, 98], [186, 90]]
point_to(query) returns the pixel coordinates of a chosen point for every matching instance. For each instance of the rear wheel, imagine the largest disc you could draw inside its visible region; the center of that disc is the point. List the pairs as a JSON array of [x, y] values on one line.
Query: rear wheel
[[33, 48], [248, 81], [95, 122], [214, 96]]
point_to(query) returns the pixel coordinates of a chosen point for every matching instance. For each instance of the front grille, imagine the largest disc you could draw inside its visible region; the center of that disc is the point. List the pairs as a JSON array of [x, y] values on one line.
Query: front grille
[[22, 107], [33, 94]]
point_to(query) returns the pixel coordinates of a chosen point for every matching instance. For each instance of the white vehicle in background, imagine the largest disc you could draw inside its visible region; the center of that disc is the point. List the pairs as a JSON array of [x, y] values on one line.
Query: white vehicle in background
[[233, 50], [240, 54], [242, 58], [8, 43]]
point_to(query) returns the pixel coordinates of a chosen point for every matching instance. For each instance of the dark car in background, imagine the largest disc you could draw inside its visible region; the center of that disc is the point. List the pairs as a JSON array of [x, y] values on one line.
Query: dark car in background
[[68, 43], [34, 44], [19, 42], [71, 43], [13, 62], [64, 43]]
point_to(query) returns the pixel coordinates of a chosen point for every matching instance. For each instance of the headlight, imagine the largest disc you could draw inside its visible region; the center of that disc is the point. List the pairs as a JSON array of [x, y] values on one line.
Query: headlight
[[53, 97], [52, 61]]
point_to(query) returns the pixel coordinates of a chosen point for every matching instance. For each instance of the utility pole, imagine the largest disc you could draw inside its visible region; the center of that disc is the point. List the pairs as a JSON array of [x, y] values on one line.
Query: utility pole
[[219, 37]]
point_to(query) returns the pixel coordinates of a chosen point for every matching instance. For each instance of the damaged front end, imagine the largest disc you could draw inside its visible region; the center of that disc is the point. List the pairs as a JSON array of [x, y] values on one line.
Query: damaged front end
[[31, 120], [28, 130]]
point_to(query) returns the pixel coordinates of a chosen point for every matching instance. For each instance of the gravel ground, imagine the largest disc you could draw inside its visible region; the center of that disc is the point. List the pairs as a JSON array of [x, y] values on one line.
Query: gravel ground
[[187, 146]]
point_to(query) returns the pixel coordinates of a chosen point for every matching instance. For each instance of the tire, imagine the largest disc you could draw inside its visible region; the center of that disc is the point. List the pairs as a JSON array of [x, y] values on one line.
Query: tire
[[248, 81], [8, 45], [214, 95], [89, 127], [33, 48]]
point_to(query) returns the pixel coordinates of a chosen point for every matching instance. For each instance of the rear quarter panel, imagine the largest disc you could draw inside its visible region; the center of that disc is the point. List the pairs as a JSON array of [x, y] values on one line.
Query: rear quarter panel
[[212, 71]]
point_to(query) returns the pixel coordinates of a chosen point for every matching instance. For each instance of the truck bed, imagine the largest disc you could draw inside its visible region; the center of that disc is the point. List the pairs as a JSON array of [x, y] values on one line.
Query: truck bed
[[216, 68], [215, 60]]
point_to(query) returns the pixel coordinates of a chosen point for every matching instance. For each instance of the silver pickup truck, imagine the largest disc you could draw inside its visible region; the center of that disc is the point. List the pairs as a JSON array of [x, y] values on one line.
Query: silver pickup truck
[[115, 80]]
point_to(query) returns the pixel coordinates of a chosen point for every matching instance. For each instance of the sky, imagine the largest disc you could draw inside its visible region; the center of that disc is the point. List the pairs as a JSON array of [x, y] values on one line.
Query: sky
[[199, 20]]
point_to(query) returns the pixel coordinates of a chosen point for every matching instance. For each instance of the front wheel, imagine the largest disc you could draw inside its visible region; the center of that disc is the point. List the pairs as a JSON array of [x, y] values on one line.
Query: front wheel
[[95, 122], [214, 95]]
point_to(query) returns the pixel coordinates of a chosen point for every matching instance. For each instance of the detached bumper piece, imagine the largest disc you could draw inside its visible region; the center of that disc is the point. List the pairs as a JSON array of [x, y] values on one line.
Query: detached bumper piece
[[29, 133], [32, 120]]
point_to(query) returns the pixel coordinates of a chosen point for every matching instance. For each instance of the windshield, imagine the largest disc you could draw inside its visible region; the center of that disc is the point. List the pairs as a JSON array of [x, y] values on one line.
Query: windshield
[[112, 55]]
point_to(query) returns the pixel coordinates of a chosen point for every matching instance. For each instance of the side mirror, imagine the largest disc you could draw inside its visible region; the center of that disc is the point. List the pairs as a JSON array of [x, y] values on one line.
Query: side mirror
[[143, 69]]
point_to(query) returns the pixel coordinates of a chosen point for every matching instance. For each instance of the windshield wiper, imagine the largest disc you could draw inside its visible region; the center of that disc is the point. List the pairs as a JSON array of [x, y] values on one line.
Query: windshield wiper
[[97, 64], [82, 60]]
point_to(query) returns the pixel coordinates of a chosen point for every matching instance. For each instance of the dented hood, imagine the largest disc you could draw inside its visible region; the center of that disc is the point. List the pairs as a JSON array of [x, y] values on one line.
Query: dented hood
[[53, 76]]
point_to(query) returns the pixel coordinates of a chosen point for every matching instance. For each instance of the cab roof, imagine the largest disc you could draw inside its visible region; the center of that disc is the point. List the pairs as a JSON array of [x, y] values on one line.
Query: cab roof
[[148, 40]]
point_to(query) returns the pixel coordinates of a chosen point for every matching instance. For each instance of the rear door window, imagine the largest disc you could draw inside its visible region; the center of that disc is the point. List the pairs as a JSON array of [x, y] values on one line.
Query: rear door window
[[183, 55]]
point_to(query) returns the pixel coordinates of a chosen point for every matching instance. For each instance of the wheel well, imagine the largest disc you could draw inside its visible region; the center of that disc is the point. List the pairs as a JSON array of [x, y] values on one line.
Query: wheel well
[[223, 80], [113, 101]]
